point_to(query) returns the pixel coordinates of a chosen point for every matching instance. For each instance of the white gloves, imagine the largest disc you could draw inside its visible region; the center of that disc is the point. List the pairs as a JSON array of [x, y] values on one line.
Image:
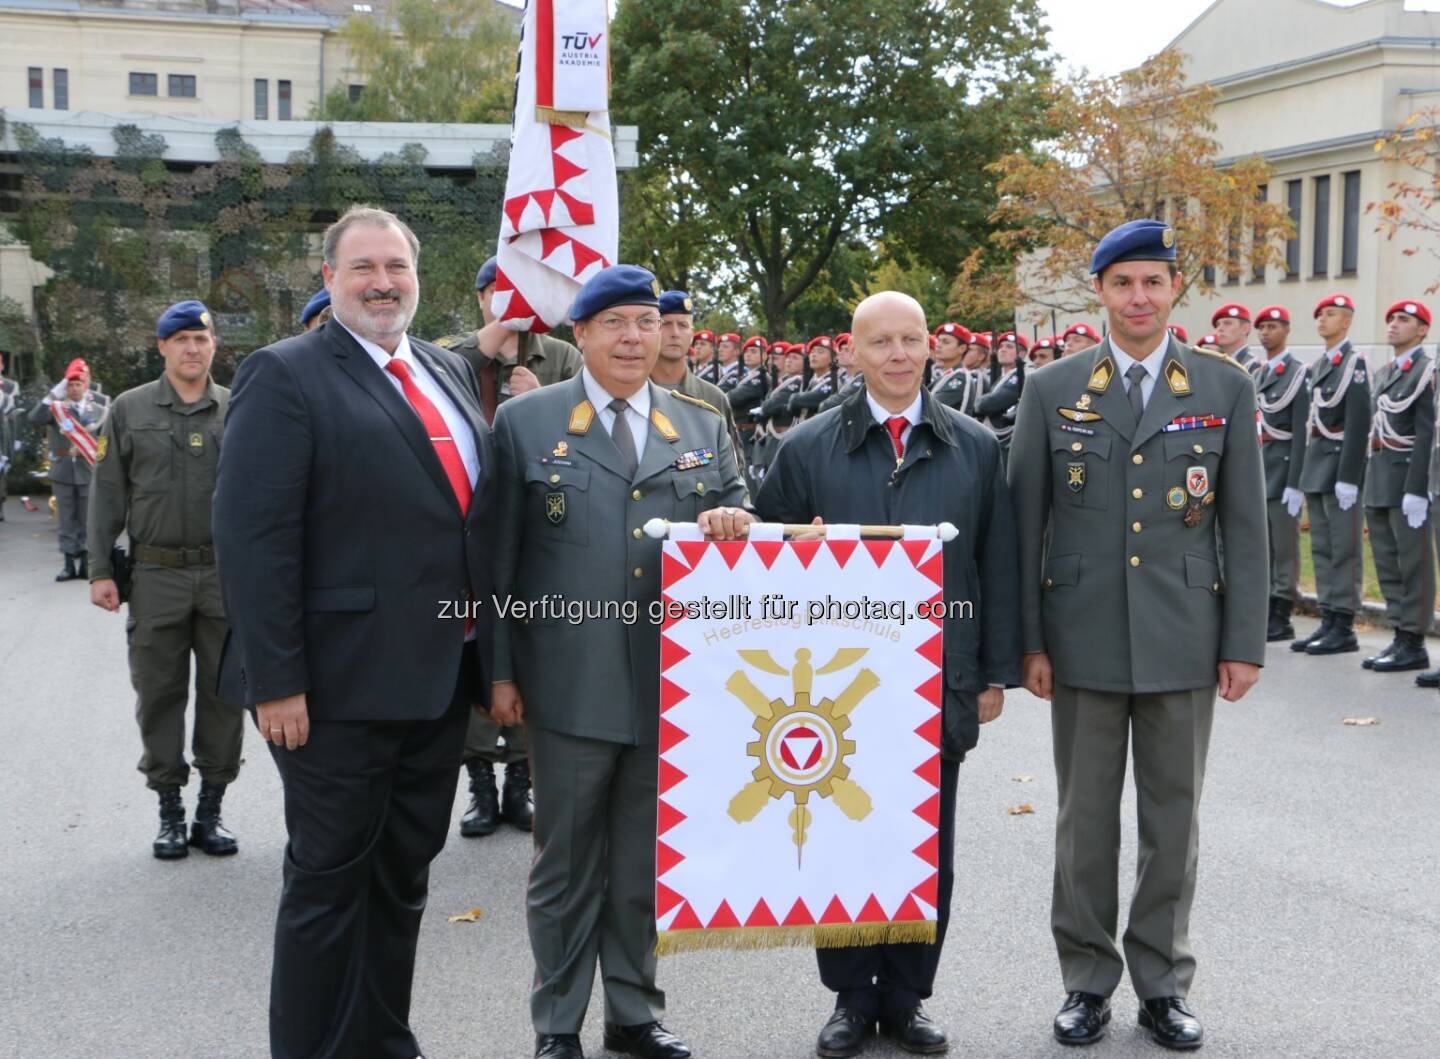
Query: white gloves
[[1347, 494], [1416, 508], [58, 390], [1292, 499]]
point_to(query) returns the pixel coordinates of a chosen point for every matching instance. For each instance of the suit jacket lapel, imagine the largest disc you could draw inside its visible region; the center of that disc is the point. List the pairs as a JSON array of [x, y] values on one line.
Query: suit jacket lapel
[[357, 364], [466, 403], [1112, 405], [1164, 403], [594, 444]]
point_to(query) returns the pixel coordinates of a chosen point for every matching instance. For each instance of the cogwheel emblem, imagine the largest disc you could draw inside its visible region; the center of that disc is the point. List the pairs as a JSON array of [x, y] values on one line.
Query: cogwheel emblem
[[800, 746]]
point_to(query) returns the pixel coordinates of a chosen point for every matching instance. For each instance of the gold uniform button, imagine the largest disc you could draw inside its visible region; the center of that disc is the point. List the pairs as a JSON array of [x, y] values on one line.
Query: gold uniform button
[[637, 533], [1075, 446], [1215, 587], [1134, 560], [1137, 459], [637, 573], [635, 495], [1199, 448], [1137, 493], [700, 487], [554, 478], [1135, 527]]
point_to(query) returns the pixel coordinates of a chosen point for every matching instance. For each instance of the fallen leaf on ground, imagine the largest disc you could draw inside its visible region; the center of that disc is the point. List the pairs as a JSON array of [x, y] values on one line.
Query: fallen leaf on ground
[[472, 916], [1021, 810], [1361, 722], [1024, 777]]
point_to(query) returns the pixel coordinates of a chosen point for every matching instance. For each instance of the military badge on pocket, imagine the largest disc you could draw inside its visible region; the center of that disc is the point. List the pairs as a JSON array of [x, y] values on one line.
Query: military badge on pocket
[[555, 507], [1075, 476]]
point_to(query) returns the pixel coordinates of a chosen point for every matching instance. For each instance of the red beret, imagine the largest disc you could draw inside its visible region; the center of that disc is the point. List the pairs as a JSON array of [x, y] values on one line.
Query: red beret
[[843, 336], [933, 341], [1013, 336], [1045, 343], [704, 336], [1080, 329], [1230, 310], [960, 331], [730, 336], [1180, 332], [1208, 340], [1340, 301], [819, 340], [76, 370], [756, 340], [1414, 308], [1273, 312], [981, 338]]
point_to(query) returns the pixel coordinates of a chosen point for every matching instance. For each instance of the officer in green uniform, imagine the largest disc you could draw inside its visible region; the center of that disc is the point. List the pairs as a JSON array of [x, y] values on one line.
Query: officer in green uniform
[[155, 478], [66, 412], [507, 363], [1397, 504], [673, 373], [581, 468], [1284, 401], [1333, 476], [1129, 463], [9, 396]]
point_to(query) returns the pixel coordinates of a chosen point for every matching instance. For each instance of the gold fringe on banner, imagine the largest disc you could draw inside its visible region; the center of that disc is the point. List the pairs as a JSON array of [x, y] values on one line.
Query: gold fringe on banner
[[823, 936], [574, 119]]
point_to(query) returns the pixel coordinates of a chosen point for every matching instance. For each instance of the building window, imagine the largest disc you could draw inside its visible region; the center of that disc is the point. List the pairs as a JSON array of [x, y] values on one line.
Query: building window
[[1350, 225], [37, 87], [1259, 241], [355, 92], [1232, 255], [262, 99], [283, 98], [1293, 191], [60, 80], [1321, 258], [182, 85], [144, 84]]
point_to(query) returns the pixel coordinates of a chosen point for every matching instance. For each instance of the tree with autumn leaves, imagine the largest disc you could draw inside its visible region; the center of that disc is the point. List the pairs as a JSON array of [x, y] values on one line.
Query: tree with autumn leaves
[[1138, 144], [1407, 213]]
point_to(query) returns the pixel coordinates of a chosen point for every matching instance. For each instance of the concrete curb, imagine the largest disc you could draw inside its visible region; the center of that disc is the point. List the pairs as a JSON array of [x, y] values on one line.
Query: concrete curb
[[1370, 613]]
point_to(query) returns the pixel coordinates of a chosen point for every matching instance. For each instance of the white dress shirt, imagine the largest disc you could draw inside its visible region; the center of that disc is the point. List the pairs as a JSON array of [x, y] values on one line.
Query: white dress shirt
[[637, 411], [911, 414], [460, 429], [1151, 364]]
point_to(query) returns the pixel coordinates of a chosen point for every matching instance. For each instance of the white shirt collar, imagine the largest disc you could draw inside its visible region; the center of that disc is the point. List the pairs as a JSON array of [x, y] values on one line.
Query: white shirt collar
[[402, 351], [1334, 349], [600, 398], [1151, 364], [1404, 359], [911, 414]]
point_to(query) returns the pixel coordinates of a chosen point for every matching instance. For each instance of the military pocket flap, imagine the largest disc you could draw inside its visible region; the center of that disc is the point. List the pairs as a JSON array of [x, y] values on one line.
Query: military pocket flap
[[351, 598], [1062, 570], [555, 477], [1189, 444], [1202, 572], [1080, 444], [703, 482]]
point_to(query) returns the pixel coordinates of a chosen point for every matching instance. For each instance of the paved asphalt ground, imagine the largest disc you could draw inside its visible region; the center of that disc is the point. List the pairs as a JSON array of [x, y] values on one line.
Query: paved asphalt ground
[[1315, 926]]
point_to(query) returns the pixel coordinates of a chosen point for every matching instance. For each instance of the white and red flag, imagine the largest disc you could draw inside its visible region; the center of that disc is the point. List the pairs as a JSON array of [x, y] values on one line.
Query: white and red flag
[[561, 217], [799, 742]]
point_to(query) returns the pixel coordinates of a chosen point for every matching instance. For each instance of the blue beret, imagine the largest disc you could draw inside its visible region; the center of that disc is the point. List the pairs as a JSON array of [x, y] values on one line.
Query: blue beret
[[1143, 240], [616, 285], [486, 275], [314, 306], [675, 301], [182, 316]]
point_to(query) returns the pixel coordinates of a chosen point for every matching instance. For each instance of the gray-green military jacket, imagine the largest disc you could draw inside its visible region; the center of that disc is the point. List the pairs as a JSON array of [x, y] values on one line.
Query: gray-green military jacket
[[1284, 399], [1404, 429], [67, 466], [691, 385], [569, 528], [1341, 457], [155, 478], [551, 360], [1122, 580]]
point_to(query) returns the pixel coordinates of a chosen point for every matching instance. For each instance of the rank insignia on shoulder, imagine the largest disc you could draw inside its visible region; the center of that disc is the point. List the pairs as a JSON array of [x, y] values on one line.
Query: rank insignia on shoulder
[[1101, 376], [663, 424], [1075, 476], [580, 418], [562, 448], [1175, 498], [102, 446], [1079, 415], [688, 461], [555, 507], [1177, 378]]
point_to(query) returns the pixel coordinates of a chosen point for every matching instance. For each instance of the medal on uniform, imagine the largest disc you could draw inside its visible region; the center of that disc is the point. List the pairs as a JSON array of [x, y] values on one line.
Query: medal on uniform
[[555, 507], [1079, 415], [1075, 476], [1083, 401], [1175, 498], [561, 449], [1197, 484]]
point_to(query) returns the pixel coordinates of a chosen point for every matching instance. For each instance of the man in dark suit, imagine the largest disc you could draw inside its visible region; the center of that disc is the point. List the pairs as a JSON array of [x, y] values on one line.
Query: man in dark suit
[[356, 576]]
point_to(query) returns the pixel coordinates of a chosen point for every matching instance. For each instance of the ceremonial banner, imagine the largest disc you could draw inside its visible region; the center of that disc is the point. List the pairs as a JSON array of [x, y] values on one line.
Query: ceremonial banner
[[77, 434], [561, 218], [800, 696]]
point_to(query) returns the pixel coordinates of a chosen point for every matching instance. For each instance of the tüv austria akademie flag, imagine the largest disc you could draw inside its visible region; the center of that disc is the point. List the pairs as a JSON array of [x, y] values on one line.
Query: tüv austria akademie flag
[[799, 743]]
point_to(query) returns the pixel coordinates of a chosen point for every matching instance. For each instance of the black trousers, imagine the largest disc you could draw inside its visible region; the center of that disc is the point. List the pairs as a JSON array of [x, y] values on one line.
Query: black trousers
[[879, 980], [367, 808]]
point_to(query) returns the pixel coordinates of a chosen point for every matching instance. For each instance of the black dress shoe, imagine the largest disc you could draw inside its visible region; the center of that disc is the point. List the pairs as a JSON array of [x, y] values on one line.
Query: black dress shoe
[[649, 1040], [1339, 640], [1279, 628], [207, 832], [1327, 619], [914, 1031], [1171, 1023], [1428, 679], [1390, 649], [843, 1034], [1409, 653], [1082, 1018], [516, 807], [558, 1046], [170, 844], [482, 816]]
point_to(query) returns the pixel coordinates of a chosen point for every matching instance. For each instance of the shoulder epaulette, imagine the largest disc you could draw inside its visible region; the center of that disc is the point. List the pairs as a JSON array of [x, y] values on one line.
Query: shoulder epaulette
[[446, 341], [695, 401], [1221, 356]]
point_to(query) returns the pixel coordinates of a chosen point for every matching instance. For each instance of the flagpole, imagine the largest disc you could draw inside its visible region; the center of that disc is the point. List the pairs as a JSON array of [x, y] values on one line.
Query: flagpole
[[659, 529]]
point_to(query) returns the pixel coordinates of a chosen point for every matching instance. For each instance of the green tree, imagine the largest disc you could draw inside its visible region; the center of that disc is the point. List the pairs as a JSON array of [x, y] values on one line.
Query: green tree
[[790, 126], [433, 60]]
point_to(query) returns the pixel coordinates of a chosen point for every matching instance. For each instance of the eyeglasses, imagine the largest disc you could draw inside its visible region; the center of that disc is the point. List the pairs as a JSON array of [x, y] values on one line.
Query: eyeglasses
[[614, 325]]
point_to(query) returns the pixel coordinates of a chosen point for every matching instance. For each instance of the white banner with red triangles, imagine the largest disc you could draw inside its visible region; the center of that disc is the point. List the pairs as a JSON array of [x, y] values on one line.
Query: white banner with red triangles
[[800, 695], [561, 218]]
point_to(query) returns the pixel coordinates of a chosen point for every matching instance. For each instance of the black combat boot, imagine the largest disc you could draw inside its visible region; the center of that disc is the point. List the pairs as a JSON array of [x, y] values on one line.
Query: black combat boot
[[170, 842], [1390, 649], [207, 833], [1339, 640], [1428, 679], [515, 804], [82, 569], [67, 574], [483, 815], [1327, 619], [1279, 627], [1410, 654]]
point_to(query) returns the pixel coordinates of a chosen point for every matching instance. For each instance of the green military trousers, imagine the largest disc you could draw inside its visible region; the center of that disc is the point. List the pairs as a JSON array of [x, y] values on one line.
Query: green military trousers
[[1335, 537], [482, 741], [1405, 567], [174, 613], [592, 883], [1284, 550], [1092, 732]]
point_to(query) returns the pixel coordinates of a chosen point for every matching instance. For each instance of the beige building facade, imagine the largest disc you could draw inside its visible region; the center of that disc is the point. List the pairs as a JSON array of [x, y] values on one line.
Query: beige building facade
[[1311, 87]]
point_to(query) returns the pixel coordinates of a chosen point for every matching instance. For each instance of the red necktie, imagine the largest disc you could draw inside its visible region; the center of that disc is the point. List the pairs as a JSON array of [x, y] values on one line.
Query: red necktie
[[439, 432], [896, 425]]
